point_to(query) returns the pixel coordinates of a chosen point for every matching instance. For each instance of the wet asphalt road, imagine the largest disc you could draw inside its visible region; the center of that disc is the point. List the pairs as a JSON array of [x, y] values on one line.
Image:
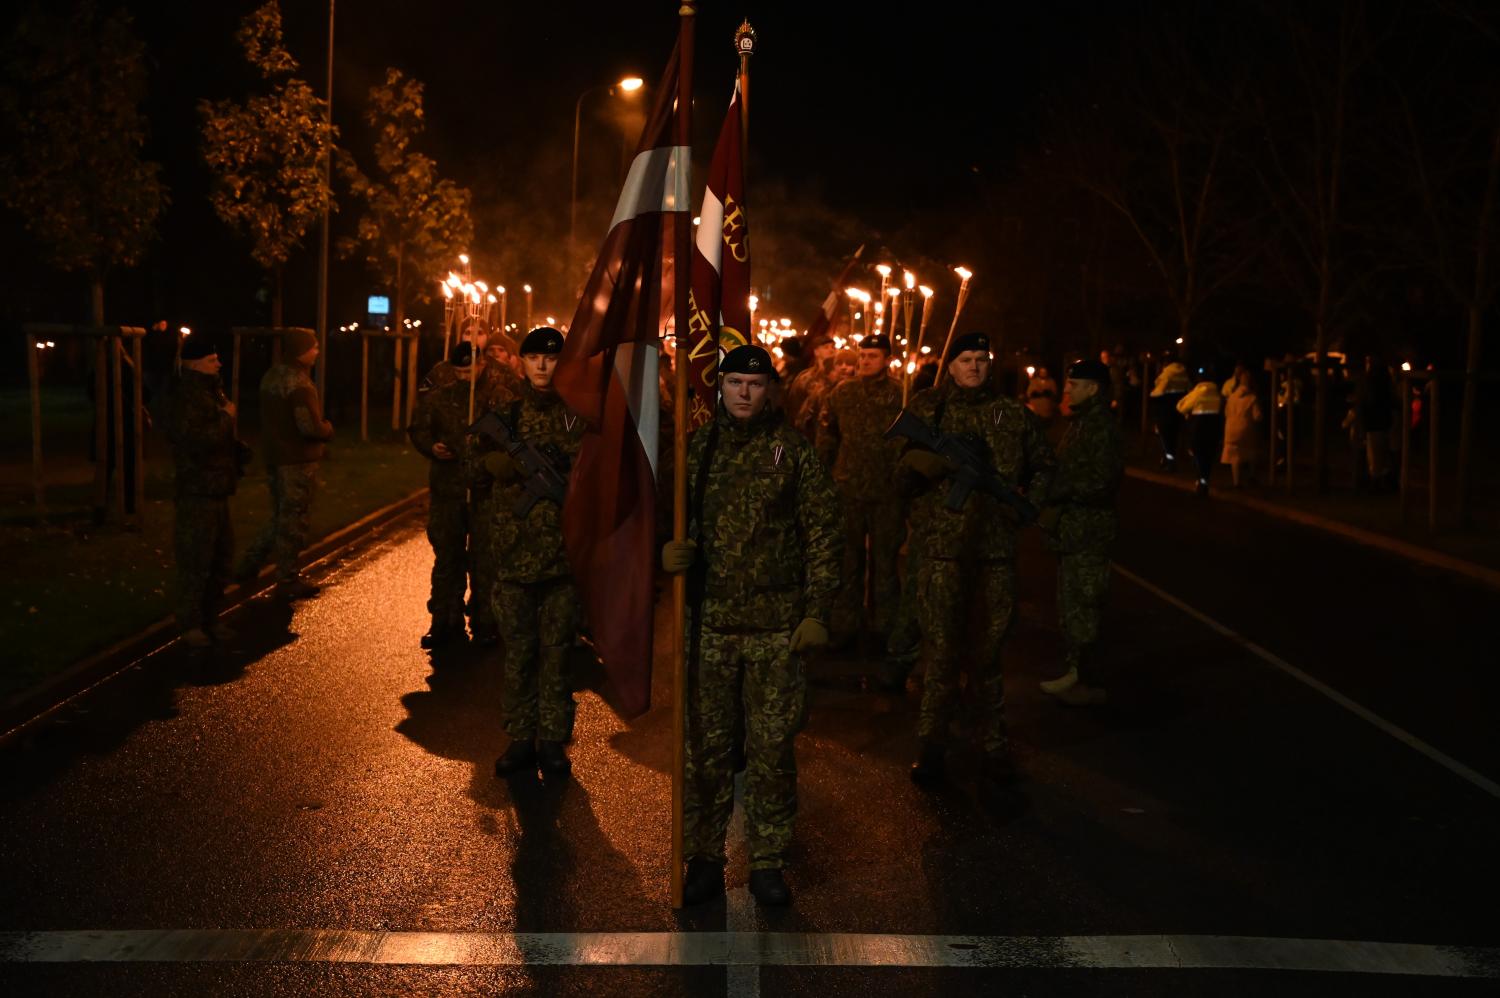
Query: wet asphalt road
[[325, 773]]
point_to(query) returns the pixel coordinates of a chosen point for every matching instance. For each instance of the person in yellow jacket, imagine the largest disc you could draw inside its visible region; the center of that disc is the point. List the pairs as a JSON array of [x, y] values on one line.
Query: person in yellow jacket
[[1204, 406]]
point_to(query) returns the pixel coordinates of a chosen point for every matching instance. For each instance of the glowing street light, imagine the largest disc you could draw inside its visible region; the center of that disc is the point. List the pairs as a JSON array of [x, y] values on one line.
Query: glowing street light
[[628, 85]]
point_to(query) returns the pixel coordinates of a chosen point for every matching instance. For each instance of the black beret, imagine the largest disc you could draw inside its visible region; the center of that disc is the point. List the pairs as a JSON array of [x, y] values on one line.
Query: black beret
[[462, 355], [1089, 370], [542, 339], [879, 341], [748, 359], [970, 341], [197, 347]]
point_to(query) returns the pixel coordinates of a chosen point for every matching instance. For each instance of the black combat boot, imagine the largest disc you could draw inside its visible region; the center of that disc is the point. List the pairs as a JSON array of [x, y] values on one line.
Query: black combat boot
[[440, 633], [554, 761], [704, 881], [296, 587], [928, 770], [769, 888], [519, 757]]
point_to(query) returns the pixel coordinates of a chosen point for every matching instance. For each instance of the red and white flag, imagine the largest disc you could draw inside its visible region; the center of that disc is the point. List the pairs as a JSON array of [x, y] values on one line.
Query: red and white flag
[[608, 374], [719, 302], [823, 321]]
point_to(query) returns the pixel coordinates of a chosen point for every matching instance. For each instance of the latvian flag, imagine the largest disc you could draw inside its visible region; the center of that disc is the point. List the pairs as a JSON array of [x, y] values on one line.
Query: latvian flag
[[823, 321], [608, 374], [720, 297]]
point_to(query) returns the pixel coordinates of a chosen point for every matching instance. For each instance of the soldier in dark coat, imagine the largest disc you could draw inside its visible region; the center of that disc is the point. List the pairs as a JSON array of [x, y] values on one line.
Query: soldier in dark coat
[[199, 421], [1079, 517], [765, 568], [852, 443], [294, 437], [535, 602], [967, 556]]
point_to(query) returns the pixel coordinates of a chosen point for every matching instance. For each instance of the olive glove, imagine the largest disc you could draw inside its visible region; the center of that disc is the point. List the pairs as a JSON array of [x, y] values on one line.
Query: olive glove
[[927, 464], [501, 466], [678, 556], [809, 634]]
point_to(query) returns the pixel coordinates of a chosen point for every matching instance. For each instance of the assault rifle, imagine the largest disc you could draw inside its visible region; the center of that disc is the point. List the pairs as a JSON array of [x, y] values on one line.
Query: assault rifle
[[973, 464], [544, 466]]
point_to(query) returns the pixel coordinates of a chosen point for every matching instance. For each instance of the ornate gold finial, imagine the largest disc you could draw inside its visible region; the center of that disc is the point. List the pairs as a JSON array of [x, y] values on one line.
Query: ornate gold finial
[[744, 39]]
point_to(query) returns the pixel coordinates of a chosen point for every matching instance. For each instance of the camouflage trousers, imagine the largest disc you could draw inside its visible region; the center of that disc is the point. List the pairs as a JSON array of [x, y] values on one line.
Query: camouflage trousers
[[903, 643], [483, 571], [204, 544], [282, 539], [1082, 583], [754, 677], [448, 526], [947, 591], [881, 524], [538, 621]]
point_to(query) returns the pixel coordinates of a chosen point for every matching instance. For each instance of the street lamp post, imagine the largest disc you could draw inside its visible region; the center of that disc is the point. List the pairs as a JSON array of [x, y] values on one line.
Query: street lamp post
[[629, 85]]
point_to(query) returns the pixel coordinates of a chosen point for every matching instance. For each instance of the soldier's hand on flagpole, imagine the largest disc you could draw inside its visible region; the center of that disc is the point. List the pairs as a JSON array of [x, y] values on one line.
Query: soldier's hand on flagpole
[[810, 634], [678, 556], [441, 452]]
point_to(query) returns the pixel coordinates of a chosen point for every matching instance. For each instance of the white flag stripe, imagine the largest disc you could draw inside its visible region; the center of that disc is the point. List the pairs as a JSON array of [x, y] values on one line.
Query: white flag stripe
[[658, 181], [710, 238], [636, 370]]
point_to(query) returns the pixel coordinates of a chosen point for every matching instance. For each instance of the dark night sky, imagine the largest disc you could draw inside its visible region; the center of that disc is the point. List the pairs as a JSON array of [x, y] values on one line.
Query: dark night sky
[[880, 115]]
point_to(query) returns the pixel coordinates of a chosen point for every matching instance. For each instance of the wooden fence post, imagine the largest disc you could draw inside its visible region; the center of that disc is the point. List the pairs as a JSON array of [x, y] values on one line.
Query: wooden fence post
[[101, 428], [138, 417], [34, 375]]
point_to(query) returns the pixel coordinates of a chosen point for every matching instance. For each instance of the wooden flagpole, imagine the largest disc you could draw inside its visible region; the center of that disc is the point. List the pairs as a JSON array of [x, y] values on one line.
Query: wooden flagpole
[[682, 249]]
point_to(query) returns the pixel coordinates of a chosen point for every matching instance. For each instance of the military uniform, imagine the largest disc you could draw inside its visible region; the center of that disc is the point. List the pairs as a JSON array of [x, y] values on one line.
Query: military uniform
[[459, 498], [293, 437], [1080, 515], [967, 557], [534, 601], [804, 398], [205, 459], [764, 510], [851, 441]]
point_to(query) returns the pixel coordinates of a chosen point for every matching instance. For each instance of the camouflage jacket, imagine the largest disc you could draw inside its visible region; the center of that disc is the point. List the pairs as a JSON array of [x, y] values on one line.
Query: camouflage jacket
[[767, 522], [292, 427], [496, 381], [1090, 464], [441, 415], [804, 398], [197, 422], [851, 435], [530, 548], [1018, 451]]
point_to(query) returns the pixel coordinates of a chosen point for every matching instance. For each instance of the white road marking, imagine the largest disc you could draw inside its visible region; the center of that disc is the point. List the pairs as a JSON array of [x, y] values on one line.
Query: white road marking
[[742, 980], [1449, 763], [747, 949]]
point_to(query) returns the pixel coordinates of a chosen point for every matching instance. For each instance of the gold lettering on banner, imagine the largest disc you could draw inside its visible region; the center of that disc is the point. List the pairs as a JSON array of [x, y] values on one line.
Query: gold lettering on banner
[[729, 338], [734, 230], [700, 412]]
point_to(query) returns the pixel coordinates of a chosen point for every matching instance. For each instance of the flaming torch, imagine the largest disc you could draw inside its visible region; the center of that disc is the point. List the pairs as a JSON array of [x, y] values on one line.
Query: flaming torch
[[964, 273]]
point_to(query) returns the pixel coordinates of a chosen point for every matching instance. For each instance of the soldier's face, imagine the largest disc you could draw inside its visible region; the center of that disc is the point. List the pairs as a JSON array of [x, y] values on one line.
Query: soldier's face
[[539, 369], [745, 395], [1080, 392], [497, 353], [970, 369], [823, 354], [872, 362]]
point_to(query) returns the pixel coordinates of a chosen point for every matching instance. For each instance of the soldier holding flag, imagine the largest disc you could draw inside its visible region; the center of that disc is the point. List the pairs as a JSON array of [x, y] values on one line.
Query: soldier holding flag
[[763, 550]]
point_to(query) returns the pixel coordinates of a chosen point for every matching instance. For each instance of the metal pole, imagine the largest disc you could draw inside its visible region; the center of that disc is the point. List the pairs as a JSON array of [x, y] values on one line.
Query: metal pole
[[34, 376], [1405, 445], [572, 190], [411, 375], [323, 235], [364, 387], [1432, 454], [396, 348]]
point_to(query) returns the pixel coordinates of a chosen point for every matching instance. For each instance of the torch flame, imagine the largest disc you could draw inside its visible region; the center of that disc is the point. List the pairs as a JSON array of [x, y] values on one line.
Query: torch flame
[[910, 280], [963, 272], [926, 291]]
